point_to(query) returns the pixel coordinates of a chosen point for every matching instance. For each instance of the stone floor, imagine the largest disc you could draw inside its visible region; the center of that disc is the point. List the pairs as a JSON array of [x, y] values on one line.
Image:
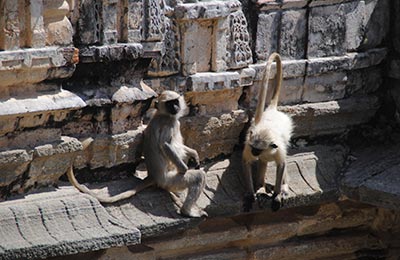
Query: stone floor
[[63, 221]]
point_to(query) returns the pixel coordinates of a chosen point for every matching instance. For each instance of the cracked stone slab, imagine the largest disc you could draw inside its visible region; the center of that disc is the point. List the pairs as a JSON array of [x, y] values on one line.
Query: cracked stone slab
[[313, 173], [374, 177], [59, 222]]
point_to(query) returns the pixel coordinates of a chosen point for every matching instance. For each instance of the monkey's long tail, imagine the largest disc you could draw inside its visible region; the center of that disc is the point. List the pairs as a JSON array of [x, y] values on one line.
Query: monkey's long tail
[[147, 182], [264, 86]]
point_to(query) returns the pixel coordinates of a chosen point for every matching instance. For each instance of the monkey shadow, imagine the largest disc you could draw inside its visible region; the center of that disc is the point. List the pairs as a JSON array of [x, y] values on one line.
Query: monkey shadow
[[312, 173]]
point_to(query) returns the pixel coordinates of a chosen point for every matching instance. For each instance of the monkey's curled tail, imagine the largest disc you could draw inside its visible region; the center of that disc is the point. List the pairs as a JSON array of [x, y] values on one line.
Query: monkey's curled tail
[[124, 195], [264, 86]]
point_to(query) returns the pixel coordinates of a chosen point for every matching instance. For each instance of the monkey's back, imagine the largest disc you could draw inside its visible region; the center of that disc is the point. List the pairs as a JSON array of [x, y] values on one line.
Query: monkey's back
[[160, 129], [279, 123]]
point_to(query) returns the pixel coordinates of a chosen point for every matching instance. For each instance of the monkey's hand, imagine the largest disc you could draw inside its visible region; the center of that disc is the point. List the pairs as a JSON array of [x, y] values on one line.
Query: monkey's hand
[[193, 155]]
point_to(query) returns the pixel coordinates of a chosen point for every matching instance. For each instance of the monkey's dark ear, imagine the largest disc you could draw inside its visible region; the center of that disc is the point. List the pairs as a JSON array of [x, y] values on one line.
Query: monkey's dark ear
[[273, 145]]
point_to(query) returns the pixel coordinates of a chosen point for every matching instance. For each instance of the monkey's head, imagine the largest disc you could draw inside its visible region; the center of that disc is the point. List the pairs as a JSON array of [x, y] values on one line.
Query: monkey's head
[[171, 103], [261, 141]]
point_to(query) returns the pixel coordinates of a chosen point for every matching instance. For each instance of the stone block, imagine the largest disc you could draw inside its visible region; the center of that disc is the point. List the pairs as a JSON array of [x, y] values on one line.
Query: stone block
[[28, 66], [325, 87], [205, 10], [293, 34], [124, 117], [30, 138], [59, 32], [169, 62], [364, 81], [9, 21], [213, 102], [61, 223], [222, 32], [377, 20], [133, 23], [50, 161], [332, 117], [13, 163], [109, 151], [319, 248], [267, 35], [36, 35], [291, 92], [196, 46], [291, 69], [110, 22], [327, 31], [213, 135], [89, 22], [207, 81], [154, 21]]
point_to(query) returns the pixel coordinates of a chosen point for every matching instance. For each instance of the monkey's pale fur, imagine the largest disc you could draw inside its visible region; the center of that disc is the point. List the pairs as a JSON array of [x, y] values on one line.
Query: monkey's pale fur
[[165, 157], [267, 140]]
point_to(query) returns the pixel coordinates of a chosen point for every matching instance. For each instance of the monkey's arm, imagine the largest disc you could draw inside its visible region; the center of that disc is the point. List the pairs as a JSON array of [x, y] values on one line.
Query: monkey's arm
[[280, 171], [248, 180], [173, 156]]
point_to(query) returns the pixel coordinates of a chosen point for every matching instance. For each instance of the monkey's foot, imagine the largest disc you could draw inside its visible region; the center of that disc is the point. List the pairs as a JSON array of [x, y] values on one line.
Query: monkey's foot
[[193, 212]]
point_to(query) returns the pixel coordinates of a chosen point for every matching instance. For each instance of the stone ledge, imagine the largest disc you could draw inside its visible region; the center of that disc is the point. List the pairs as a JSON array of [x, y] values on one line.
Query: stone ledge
[[35, 65], [114, 52], [64, 221], [57, 223], [62, 100], [154, 213], [205, 10], [316, 66], [374, 177], [332, 117]]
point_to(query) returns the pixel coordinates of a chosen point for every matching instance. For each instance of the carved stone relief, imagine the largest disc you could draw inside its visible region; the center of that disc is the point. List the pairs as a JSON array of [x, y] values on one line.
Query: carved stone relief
[[168, 63], [154, 20], [238, 48]]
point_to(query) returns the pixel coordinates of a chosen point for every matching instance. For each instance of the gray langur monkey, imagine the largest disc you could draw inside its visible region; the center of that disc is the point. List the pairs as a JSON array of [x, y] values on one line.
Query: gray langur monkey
[[267, 140], [165, 157]]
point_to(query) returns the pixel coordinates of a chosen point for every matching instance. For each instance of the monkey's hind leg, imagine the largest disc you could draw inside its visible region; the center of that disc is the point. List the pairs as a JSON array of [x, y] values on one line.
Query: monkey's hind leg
[[194, 180]]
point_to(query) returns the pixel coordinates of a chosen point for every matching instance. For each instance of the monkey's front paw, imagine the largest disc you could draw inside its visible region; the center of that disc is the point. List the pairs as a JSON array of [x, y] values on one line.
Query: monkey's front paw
[[277, 202], [193, 212], [248, 201]]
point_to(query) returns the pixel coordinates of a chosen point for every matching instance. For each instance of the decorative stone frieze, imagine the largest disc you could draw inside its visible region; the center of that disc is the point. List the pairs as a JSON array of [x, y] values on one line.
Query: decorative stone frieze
[[222, 29], [238, 42]]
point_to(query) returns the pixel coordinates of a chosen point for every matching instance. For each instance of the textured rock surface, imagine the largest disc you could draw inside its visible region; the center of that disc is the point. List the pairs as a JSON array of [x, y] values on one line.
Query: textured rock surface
[[61, 222]]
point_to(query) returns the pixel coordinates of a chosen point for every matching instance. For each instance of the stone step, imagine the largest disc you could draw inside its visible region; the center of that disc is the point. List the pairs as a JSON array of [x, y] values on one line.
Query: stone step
[[59, 222]]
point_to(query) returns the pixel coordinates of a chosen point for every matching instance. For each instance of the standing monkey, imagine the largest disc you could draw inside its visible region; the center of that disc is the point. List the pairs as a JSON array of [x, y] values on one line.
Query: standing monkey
[[267, 140], [165, 156]]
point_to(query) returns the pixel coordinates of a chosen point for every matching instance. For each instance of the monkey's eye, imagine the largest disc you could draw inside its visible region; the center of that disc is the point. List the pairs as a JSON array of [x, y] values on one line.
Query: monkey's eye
[[273, 146]]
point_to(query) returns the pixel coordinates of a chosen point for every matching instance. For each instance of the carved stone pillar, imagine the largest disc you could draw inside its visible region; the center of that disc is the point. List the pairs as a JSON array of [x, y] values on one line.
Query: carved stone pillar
[[58, 28]]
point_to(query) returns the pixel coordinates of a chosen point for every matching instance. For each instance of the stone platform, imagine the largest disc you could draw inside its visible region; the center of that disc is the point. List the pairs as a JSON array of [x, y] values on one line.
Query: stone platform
[[63, 221]]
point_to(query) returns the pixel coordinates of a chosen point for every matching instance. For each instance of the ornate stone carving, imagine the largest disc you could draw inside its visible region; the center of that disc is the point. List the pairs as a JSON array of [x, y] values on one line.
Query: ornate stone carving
[[169, 63], [238, 49], [154, 20]]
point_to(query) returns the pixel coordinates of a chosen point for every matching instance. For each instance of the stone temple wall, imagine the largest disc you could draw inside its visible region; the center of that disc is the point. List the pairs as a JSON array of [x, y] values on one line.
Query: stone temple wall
[[71, 70]]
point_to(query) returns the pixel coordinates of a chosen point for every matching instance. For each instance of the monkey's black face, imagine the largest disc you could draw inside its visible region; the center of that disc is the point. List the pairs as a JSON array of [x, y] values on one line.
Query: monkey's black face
[[256, 151], [172, 106]]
